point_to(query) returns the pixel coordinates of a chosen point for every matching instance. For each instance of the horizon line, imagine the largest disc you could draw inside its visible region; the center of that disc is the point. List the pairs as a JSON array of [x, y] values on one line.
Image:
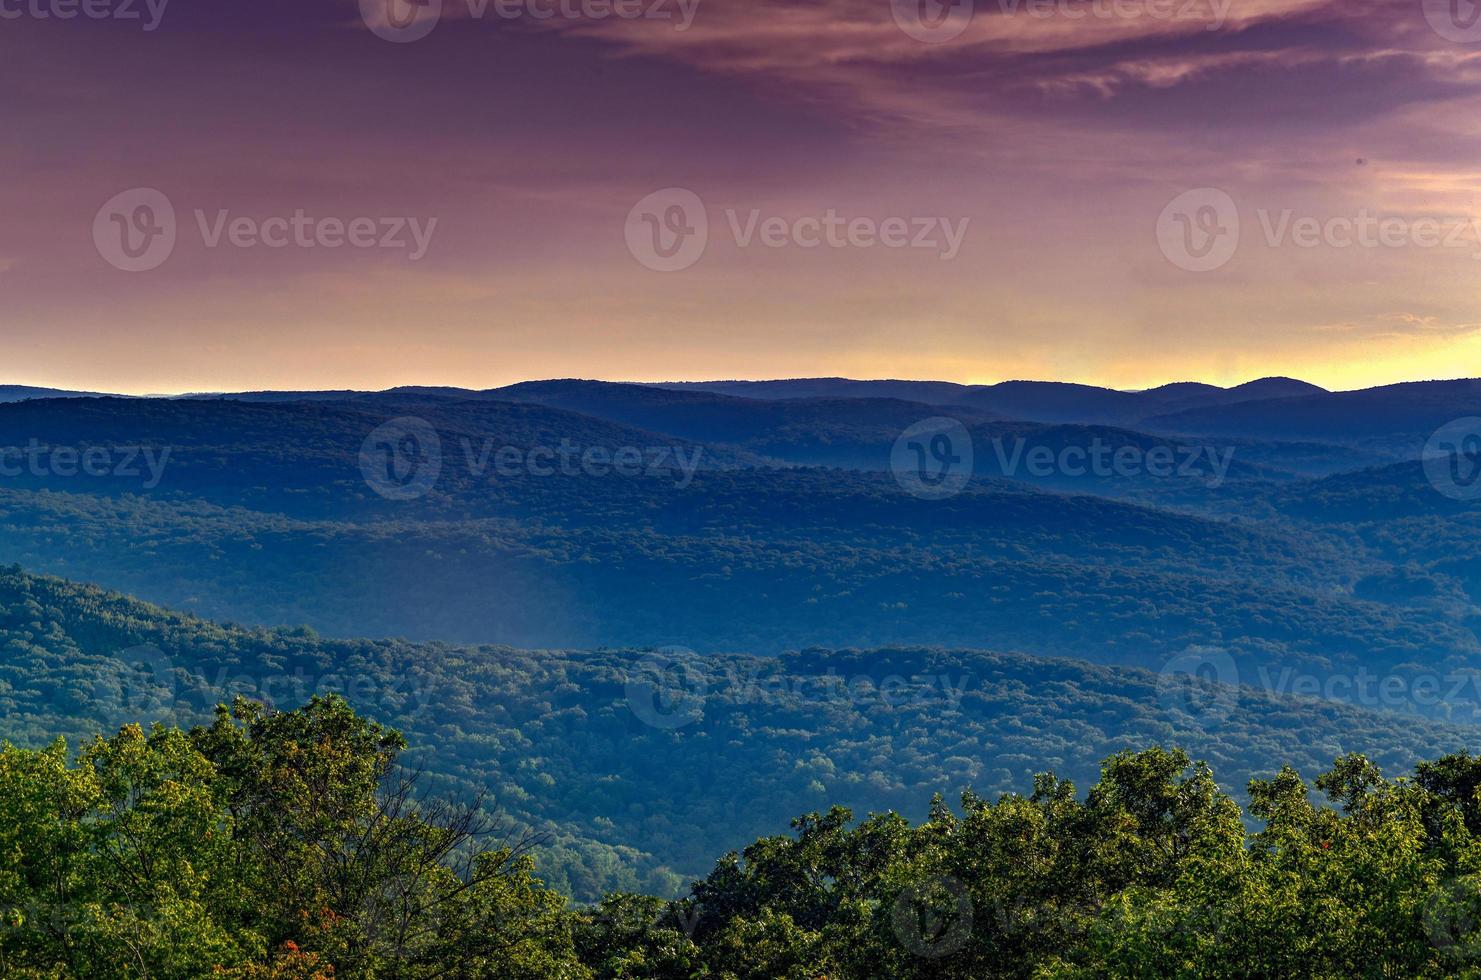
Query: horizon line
[[207, 392]]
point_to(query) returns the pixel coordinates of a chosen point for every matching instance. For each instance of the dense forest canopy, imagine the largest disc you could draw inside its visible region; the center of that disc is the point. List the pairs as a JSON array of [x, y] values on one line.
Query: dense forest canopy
[[295, 844], [1329, 557], [635, 768], [554, 722]]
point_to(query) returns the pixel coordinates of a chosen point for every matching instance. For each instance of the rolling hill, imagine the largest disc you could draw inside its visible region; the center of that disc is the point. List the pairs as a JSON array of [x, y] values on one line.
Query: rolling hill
[[1404, 414], [1036, 401], [638, 767], [263, 513]]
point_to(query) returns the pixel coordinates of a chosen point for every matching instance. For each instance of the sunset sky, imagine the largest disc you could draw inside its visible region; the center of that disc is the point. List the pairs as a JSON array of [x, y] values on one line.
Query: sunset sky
[[1055, 136]]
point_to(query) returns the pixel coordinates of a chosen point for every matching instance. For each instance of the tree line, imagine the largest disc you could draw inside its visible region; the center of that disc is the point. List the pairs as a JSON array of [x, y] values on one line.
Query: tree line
[[297, 845]]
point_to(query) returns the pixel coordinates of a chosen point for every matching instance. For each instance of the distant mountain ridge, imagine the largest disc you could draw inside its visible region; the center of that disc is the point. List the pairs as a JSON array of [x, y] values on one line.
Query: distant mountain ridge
[[21, 393], [1034, 401], [1411, 406], [829, 413]]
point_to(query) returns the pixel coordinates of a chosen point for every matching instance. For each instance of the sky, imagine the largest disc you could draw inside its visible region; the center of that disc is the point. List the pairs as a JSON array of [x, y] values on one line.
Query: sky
[[216, 195]]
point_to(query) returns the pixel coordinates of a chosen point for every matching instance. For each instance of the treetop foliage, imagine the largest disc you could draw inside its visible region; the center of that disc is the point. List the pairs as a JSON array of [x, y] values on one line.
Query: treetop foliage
[[294, 845]]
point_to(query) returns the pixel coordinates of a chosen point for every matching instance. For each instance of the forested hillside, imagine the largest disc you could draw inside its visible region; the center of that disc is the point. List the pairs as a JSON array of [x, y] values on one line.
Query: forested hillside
[[298, 845], [262, 514], [640, 766], [633, 671]]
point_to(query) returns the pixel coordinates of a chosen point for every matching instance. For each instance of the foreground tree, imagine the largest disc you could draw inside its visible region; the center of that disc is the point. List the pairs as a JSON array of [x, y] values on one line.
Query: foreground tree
[[268, 844], [294, 846], [1151, 874]]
